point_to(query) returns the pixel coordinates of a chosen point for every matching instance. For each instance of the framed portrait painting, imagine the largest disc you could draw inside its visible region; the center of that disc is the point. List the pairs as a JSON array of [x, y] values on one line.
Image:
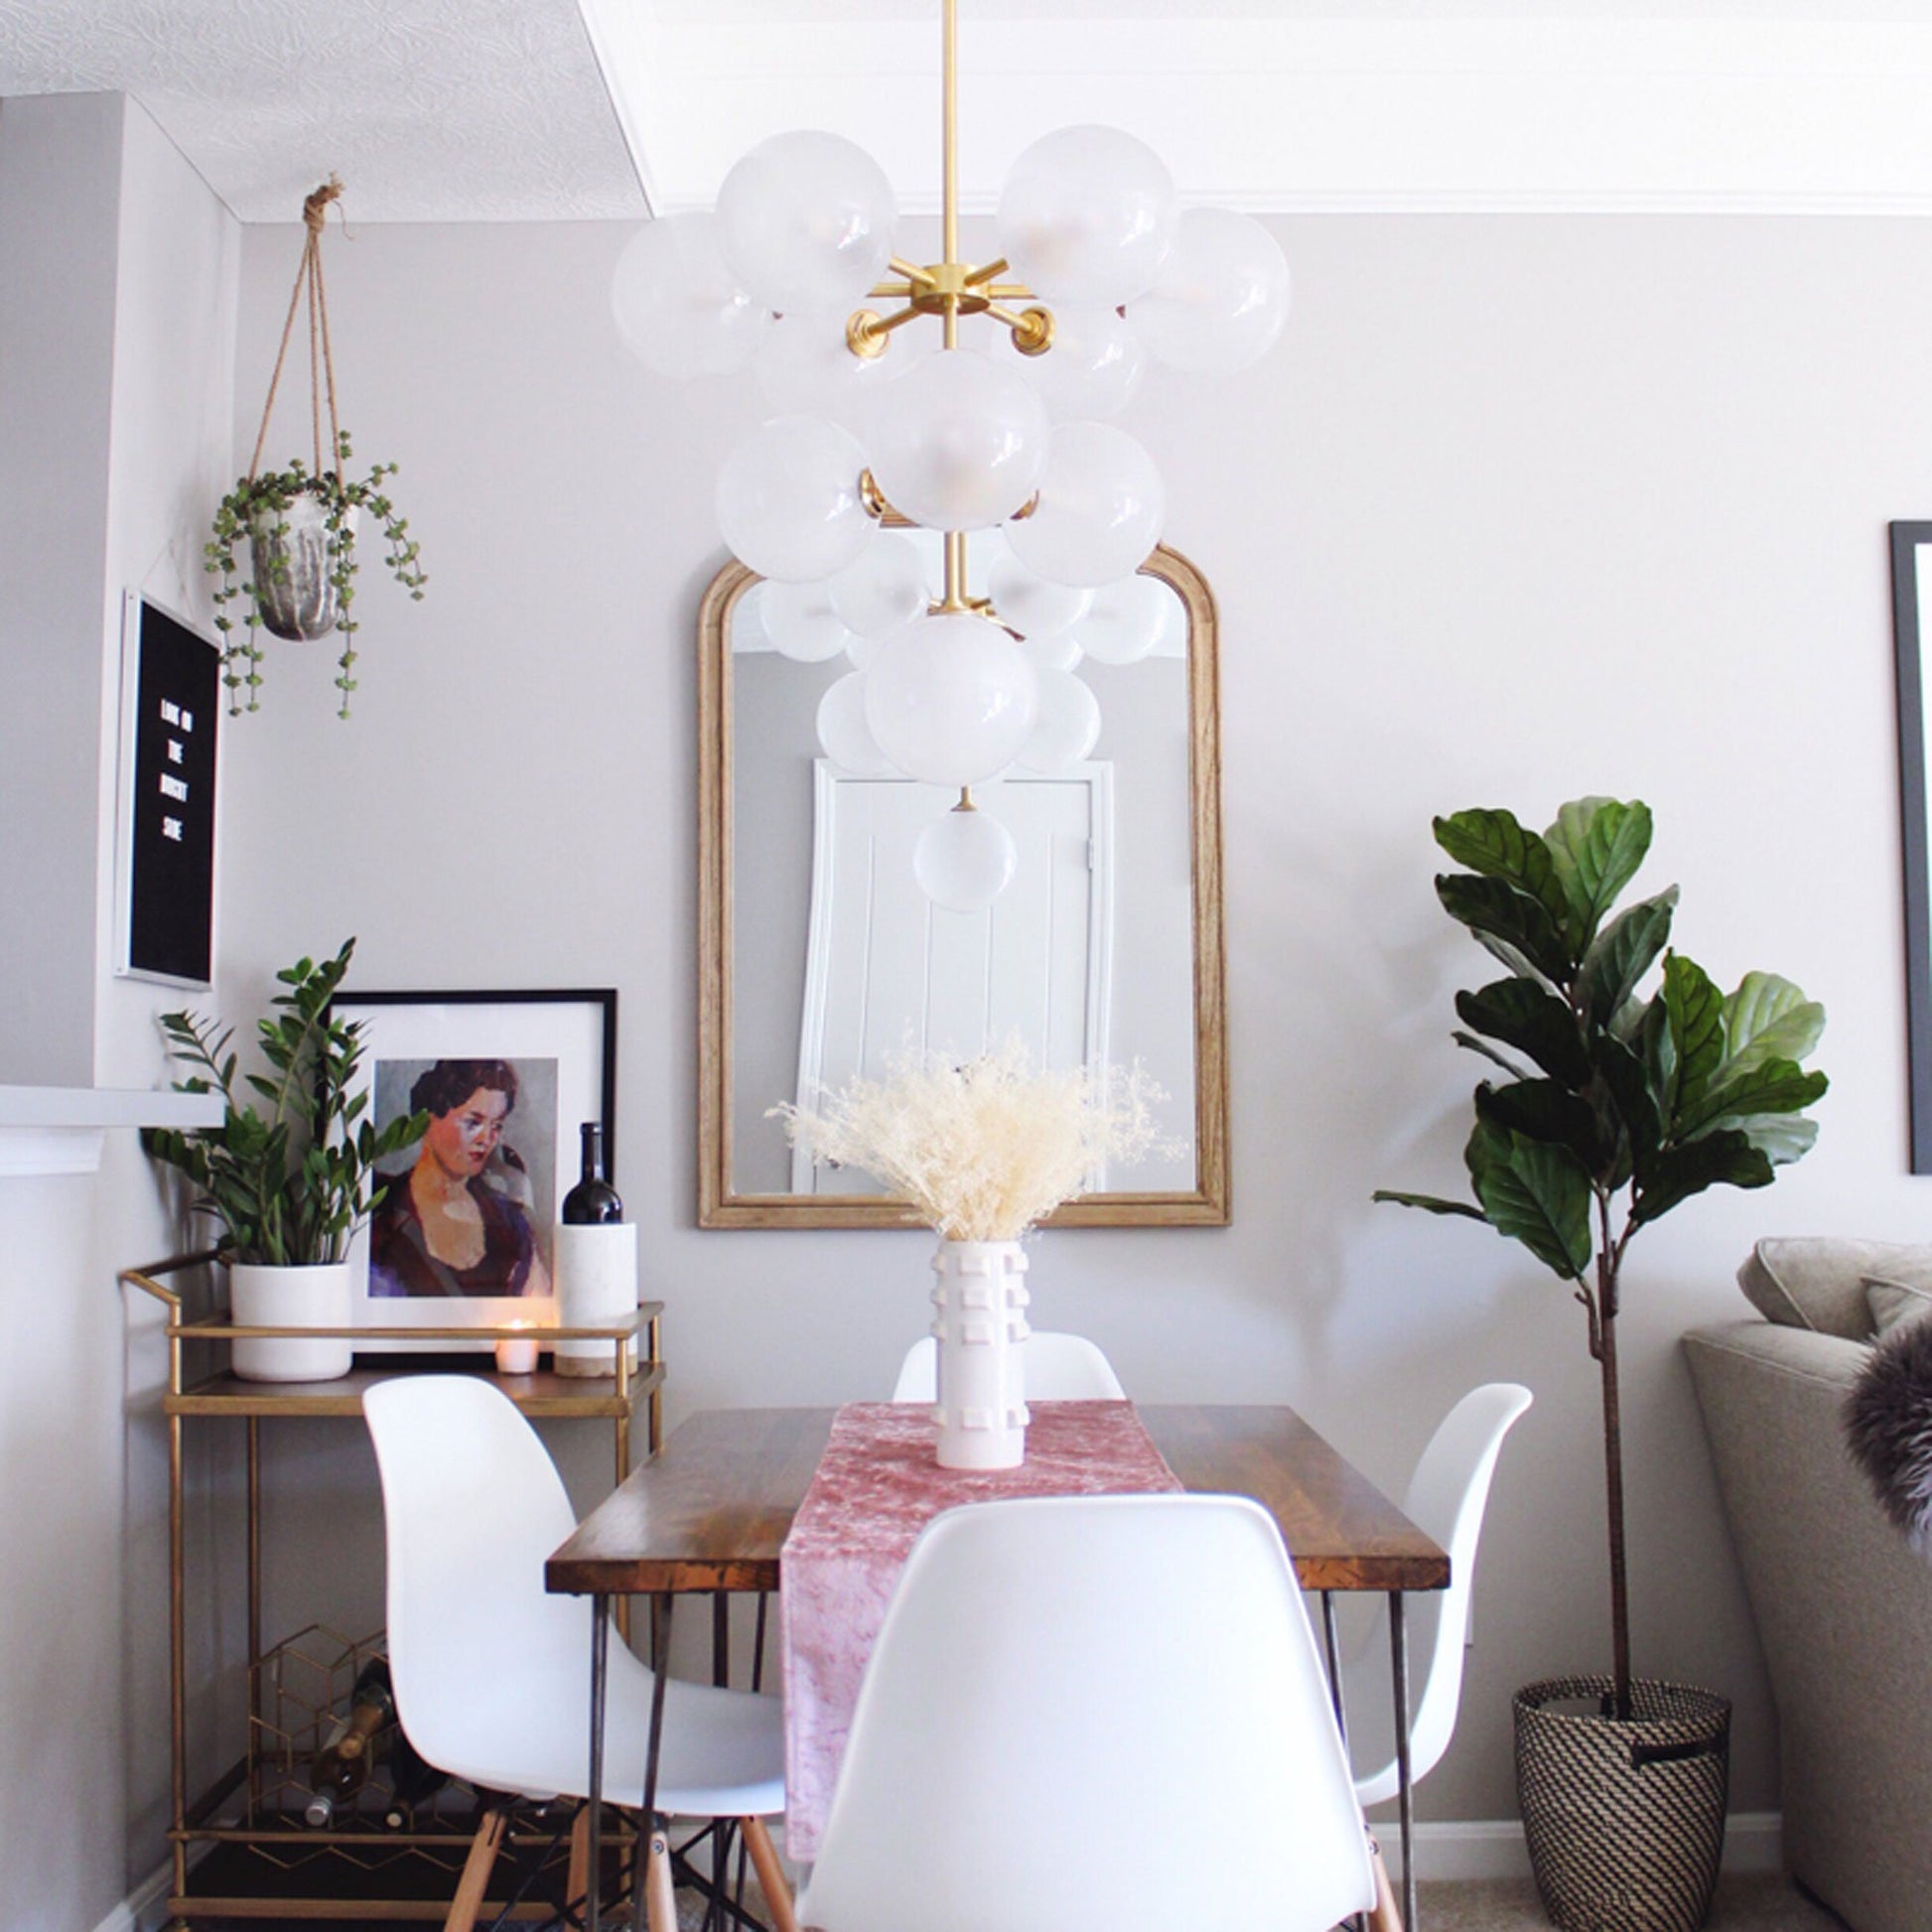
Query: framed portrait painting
[[463, 1234]]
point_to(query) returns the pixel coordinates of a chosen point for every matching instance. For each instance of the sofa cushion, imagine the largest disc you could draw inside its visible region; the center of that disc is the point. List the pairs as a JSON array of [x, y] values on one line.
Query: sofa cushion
[[1817, 1281], [1894, 1303]]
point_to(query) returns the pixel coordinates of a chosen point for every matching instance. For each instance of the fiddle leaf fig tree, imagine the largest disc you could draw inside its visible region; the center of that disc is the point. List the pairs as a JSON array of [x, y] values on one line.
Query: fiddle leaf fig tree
[[1612, 1108]]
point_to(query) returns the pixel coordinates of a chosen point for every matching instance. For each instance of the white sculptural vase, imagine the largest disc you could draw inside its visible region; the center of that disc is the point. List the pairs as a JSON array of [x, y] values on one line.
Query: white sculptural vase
[[980, 1323]]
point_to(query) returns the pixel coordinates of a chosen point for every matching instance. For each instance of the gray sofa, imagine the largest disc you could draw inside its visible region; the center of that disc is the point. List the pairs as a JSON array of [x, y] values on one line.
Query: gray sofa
[[1843, 1604]]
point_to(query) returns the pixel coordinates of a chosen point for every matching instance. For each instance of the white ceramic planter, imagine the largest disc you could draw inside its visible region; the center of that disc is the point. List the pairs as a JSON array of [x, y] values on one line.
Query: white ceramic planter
[[291, 1298], [980, 1324]]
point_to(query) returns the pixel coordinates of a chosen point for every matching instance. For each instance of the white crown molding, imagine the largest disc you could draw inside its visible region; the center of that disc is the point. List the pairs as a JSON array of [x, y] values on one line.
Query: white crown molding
[[1531, 115]]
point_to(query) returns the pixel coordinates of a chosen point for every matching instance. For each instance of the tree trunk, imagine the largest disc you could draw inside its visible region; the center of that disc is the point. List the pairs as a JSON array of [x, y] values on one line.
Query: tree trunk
[[1613, 1489]]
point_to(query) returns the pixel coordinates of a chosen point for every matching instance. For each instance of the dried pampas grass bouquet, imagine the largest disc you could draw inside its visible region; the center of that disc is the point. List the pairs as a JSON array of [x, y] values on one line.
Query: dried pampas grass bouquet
[[985, 1149]]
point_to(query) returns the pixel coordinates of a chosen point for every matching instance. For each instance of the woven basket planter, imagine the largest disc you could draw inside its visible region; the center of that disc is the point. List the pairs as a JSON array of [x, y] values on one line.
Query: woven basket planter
[[1625, 1820]]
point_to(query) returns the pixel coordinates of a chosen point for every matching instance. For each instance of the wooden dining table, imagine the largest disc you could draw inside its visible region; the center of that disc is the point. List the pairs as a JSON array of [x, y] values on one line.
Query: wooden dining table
[[710, 1513]]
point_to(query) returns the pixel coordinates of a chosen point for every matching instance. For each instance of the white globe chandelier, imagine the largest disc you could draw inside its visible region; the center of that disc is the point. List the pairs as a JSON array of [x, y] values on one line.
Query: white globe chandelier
[[1102, 271]]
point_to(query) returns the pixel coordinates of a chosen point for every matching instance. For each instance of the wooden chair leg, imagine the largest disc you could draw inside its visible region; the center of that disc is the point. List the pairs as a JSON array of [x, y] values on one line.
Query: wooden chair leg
[[660, 1897], [578, 1879], [771, 1878], [1387, 1916], [477, 1868]]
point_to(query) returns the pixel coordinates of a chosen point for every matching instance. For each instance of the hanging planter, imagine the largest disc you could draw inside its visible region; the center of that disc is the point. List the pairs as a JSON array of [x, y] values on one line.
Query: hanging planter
[[299, 523]]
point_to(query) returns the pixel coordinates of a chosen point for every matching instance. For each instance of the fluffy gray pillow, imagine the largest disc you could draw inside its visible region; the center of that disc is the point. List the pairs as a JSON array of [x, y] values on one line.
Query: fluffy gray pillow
[[1888, 1425]]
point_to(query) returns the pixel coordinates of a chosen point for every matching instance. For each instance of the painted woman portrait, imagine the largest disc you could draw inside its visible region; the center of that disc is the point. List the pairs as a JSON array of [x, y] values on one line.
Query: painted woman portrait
[[459, 1222]]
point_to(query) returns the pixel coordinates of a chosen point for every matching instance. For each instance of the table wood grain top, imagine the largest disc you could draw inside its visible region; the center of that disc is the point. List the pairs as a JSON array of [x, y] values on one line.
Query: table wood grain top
[[711, 1509]]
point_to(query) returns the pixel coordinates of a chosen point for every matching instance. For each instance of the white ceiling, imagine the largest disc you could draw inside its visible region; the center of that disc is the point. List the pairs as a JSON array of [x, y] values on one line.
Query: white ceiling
[[497, 109]]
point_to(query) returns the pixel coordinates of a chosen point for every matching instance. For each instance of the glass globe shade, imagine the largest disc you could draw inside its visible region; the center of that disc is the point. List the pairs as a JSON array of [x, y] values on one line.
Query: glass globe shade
[[787, 499], [843, 735], [1028, 604], [957, 443], [1066, 725], [964, 860], [678, 308], [1056, 653], [861, 650], [1087, 215], [1101, 507], [884, 589], [1221, 296], [805, 221], [804, 369], [1094, 365], [1125, 622], [949, 699], [801, 622]]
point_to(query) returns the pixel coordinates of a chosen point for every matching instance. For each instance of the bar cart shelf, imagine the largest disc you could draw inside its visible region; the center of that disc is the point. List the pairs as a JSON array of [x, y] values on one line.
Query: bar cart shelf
[[228, 1868]]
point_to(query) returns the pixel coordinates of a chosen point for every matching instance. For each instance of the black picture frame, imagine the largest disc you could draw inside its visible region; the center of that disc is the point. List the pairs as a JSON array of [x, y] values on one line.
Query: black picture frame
[[563, 1043], [1911, 587], [171, 707]]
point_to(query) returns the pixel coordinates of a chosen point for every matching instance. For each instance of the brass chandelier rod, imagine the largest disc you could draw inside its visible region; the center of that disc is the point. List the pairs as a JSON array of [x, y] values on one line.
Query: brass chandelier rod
[[950, 288]]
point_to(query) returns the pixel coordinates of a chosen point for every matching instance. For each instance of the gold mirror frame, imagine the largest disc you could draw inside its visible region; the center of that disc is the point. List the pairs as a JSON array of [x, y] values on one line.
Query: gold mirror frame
[[1207, 1203]]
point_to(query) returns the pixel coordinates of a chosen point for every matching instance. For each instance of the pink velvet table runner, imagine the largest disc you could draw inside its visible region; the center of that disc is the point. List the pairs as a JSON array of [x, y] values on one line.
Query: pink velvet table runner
[[877, 1488]]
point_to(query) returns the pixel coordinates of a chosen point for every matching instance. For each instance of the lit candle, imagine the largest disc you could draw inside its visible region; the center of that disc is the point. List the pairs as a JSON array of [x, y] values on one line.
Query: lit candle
[[518, 1354]]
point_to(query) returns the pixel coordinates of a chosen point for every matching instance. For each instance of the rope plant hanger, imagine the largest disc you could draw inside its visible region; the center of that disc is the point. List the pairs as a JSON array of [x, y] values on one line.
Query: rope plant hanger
[[300, 522]]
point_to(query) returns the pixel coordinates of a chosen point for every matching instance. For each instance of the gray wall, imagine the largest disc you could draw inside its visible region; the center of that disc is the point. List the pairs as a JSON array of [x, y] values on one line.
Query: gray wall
[[117, 299], [1522, 508]]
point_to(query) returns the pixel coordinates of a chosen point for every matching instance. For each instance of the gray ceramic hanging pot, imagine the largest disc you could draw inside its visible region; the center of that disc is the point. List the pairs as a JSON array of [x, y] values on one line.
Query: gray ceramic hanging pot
[[294, 554]]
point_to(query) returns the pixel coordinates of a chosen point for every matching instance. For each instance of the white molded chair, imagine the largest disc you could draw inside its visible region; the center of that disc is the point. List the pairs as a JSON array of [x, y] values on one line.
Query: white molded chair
[[1059, 1368], [492, 1673], [1095, 1714], [1446, 1497]]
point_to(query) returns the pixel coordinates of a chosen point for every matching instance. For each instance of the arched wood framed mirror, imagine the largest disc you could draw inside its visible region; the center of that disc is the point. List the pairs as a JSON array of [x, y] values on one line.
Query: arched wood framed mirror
[[819, 957]]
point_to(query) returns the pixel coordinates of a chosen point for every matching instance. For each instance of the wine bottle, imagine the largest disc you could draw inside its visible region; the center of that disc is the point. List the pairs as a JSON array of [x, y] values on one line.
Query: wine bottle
[[593, 1201], [412, 1779], [341, 1765]]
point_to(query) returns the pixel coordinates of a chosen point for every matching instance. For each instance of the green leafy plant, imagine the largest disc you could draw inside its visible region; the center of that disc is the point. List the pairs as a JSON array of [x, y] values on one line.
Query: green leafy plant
[[1615, 1108], [260, 504], [291, 1184]]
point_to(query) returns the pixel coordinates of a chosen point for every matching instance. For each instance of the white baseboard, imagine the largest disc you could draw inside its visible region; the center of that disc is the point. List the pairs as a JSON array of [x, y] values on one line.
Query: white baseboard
[[145, 1908], [1493, 1848]]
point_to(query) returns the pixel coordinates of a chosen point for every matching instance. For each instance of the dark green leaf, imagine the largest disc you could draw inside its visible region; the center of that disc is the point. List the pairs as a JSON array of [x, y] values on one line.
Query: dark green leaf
[[1495, 907], [1632, 1099], [1547, 1112], [1535, 1194], [1493, 844], [1622, 953], [1489, 1052], [1678, 1172], [1433, 1202], [1768, 1087], [1522, 1015], [1694, 1010]]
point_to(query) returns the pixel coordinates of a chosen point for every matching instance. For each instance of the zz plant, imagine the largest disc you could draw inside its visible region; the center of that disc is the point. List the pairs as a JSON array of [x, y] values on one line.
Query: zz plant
[[290, 1184], [1613, 1108]]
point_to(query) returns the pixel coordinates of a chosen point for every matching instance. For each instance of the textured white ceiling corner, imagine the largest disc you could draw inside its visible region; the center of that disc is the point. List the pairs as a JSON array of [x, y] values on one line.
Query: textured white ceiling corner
[[429, 110], [440, 110]]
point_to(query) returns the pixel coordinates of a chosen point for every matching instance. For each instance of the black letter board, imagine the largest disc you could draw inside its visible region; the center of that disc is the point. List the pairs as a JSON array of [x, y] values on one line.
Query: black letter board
[[171, 829]]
